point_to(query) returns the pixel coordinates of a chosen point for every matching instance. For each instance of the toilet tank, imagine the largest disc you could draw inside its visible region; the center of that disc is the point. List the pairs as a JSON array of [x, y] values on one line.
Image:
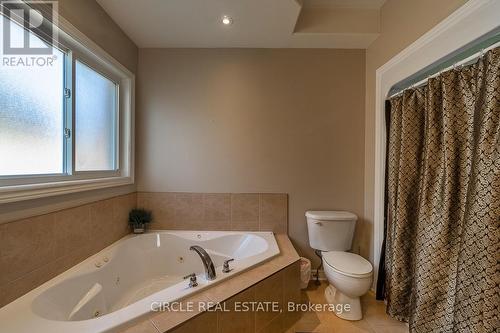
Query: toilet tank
[[330, 230]]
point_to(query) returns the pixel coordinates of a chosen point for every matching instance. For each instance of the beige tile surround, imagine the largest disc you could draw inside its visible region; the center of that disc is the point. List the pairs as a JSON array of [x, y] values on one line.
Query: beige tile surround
[[217, 211], [281, 287], [275, 280], [36, 249]]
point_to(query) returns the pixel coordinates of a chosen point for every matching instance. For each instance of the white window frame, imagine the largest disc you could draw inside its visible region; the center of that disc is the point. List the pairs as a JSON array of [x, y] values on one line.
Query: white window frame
[[81, 48]]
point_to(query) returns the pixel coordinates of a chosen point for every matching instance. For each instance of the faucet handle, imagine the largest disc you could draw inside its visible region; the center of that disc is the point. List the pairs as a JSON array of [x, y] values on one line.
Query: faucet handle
[[225, 267], [192, 280]]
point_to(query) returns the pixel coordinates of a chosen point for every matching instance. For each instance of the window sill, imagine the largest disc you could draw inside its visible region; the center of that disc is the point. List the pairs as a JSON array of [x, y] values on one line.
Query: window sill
[[34, 191]]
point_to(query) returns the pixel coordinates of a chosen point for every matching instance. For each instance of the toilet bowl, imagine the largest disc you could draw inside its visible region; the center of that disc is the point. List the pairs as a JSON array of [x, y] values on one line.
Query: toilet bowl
[[349, 276]]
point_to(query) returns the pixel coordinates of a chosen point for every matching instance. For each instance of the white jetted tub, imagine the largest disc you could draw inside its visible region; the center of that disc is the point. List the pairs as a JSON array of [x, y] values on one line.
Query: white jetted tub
[[122, 281]]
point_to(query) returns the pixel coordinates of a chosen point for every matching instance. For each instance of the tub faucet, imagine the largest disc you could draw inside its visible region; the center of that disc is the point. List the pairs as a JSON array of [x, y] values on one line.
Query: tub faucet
[[207, 262]]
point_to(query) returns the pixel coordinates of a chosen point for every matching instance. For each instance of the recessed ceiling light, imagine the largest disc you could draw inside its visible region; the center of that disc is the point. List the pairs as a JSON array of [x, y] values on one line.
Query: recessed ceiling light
[[227, 20]]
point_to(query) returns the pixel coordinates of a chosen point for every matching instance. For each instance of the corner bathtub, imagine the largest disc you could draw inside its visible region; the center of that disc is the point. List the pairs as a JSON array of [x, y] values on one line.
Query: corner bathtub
[[122, 281]]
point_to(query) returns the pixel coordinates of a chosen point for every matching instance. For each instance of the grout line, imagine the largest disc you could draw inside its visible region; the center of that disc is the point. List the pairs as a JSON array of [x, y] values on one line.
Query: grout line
[[287, 208], [230, 211], [203, 207], [259, 212], [154, 325]]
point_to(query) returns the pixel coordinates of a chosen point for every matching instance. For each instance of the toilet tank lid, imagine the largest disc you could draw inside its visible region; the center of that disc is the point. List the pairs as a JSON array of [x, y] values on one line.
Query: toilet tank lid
[[331, 215]]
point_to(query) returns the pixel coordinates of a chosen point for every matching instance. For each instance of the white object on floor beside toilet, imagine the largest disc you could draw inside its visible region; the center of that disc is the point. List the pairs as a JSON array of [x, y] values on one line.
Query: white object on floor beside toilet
[[349, 275]]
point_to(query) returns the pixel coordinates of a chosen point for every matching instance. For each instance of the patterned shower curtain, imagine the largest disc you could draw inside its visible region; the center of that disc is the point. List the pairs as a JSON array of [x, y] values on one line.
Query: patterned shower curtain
[[443, 226]]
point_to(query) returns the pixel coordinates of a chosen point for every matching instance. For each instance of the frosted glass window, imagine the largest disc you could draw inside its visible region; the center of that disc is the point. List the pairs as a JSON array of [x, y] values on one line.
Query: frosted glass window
[[31, 113], [95, 120]]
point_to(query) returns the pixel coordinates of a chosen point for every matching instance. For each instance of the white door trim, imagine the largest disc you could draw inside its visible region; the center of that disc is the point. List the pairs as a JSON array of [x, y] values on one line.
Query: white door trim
[[474, 19]]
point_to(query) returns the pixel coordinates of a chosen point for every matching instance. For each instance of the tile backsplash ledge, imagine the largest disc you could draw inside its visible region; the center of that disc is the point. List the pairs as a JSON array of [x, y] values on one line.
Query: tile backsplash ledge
[[217, 211]]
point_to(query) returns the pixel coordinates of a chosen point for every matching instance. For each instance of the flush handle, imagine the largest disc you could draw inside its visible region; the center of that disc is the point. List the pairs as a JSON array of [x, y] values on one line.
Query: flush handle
[[192, 280], [225, 267]]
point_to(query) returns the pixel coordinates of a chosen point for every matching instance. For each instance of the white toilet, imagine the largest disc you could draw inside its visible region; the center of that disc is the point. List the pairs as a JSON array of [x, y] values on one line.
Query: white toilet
[[350, 275]]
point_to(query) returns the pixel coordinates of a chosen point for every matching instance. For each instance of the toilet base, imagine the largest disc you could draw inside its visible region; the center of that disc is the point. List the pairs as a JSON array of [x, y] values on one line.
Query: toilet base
[[333, 296]]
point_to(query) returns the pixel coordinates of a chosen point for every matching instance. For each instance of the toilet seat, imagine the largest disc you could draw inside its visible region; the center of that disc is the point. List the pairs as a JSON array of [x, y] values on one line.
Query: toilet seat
[[348, 264]]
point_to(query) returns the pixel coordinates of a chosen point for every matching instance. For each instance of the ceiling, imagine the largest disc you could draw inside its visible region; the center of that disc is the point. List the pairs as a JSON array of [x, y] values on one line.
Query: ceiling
[[367, 4], [256, 23]]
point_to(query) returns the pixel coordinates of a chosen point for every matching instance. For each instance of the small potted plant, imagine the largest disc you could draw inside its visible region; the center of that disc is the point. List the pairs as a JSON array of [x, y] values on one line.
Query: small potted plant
[[138, 218]]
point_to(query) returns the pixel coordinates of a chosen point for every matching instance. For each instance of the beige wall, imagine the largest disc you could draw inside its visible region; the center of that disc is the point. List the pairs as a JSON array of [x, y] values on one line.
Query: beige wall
[[254, 120], [291, 121], [402, 22]]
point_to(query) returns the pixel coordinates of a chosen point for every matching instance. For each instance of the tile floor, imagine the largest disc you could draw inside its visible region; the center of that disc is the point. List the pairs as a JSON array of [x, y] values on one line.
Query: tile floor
[[375, 320]]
